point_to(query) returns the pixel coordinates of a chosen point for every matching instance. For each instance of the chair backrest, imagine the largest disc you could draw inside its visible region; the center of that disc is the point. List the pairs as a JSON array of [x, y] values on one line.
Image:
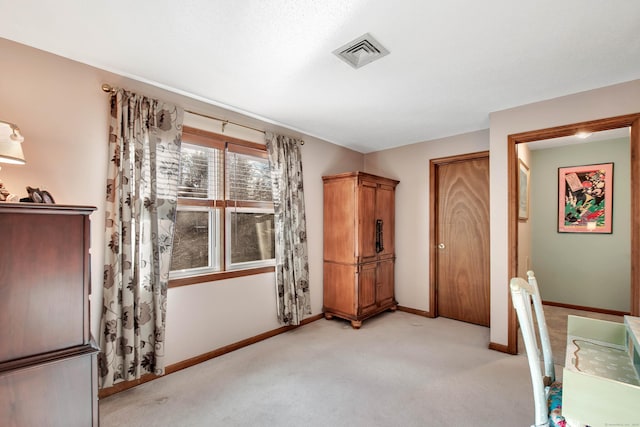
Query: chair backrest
[[524, 294], [543, 332]]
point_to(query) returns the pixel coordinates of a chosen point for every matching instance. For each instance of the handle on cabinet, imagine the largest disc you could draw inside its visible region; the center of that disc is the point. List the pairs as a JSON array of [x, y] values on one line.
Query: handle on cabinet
[[379, 242]]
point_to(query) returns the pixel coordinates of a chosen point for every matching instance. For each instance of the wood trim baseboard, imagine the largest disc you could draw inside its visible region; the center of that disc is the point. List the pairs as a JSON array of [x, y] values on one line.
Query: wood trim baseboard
[[416, 311], [125, 385], [237, 345], [584, 308], [500, 347]]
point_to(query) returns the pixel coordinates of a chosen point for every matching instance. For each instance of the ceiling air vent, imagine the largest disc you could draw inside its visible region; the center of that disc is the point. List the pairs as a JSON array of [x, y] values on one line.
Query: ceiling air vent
[[361, 51]]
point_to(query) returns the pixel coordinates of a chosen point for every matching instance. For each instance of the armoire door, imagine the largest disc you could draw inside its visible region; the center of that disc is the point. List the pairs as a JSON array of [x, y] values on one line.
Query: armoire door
[[366, 221], [385, 219], [462, 242], [367, 287], [385, 282]]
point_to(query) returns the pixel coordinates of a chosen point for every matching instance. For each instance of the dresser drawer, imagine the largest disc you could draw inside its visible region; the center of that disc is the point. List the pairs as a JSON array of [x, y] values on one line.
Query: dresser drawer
[[44, 281], [59, 390]]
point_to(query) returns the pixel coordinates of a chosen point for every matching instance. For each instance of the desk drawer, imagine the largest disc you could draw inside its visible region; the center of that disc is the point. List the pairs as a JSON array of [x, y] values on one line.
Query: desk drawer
[[599, 401]]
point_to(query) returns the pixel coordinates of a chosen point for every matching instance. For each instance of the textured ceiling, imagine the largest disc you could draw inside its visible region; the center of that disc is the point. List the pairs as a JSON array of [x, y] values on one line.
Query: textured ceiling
[[451, 63]]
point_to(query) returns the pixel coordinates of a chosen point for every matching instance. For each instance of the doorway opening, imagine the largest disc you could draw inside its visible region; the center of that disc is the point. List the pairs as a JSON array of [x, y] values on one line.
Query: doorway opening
[[633, 122]]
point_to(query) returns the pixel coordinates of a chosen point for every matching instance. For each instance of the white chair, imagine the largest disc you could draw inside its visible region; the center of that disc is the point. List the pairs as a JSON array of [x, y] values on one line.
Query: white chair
[[547, 393]]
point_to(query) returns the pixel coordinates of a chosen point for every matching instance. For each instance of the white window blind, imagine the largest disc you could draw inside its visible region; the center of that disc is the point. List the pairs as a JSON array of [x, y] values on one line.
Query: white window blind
[[201, 171], [167, 169], [248, 178], [225, 218]]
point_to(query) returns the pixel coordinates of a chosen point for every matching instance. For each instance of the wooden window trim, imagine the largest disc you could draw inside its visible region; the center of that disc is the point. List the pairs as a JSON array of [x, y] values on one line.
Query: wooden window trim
[[247, 204], [186, 201], [259, 151], [204, 137], [224, 203], [198, 137], [214, 140], [219, 275]]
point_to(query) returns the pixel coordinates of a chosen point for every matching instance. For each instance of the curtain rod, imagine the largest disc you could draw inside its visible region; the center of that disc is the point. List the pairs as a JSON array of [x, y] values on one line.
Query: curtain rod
[[110, 89]]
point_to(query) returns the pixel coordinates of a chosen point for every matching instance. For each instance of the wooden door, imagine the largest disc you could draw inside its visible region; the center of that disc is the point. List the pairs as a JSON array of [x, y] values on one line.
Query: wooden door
[[385, 214], [366, 221], [462, 238], [367, 287], [385, 282], [340, 232]]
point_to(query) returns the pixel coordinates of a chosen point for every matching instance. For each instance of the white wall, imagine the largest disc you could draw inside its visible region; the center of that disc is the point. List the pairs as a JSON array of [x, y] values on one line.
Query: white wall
[[220, 313], [616, 100], [63, 115], [410, 165]]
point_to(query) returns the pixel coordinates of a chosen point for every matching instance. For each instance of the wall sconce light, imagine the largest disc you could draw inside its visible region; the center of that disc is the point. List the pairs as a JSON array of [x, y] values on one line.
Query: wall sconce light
[[11, 144]]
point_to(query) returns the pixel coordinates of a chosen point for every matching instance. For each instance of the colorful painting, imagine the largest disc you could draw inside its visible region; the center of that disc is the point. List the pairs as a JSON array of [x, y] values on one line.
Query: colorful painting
[[585, 198]]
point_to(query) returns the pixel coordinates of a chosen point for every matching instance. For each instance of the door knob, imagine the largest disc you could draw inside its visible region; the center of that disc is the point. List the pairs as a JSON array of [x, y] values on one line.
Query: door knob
[[441, 246]]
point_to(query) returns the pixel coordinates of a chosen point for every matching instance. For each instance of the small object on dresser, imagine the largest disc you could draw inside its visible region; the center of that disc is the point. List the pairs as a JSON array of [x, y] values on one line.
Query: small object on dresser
[[38, 196], [47, 197], [5, 195]]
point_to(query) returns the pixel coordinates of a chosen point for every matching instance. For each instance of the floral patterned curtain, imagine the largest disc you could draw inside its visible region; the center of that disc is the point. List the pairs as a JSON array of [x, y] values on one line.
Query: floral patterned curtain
[[144, 159], [292, 266]]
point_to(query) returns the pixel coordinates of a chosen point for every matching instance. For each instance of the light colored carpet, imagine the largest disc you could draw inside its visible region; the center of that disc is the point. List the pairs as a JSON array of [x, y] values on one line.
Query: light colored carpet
[[399, 369]]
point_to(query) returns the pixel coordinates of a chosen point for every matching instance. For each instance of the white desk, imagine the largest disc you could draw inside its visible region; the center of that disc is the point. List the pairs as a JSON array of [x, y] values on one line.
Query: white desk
[[601, 377]]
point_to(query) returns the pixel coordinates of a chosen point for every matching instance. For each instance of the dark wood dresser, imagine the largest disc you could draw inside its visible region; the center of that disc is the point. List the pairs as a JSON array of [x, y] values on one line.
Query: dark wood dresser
[[48, 369]]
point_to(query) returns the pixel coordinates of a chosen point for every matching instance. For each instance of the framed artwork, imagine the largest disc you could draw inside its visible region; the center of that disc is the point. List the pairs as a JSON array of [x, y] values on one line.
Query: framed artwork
[[585, 198], [523, 192]]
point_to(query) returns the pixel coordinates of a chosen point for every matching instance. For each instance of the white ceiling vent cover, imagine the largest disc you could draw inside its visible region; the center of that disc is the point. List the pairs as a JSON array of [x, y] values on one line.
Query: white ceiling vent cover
[[361, 51]]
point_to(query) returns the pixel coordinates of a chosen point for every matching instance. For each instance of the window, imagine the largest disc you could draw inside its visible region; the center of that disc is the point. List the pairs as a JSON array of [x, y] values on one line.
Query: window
[[225, 219], [251, 239]]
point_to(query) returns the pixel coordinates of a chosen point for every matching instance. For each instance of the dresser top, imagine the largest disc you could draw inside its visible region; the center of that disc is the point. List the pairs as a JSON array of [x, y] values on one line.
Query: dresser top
[[44, 208], [358, 174]]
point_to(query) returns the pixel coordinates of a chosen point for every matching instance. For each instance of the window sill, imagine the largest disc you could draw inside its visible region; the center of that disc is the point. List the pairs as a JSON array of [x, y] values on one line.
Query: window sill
[[221, 275]]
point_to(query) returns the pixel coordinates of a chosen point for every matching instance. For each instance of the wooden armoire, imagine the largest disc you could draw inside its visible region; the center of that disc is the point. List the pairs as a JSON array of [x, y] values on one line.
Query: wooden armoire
[[48, 369], [359, 249]]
